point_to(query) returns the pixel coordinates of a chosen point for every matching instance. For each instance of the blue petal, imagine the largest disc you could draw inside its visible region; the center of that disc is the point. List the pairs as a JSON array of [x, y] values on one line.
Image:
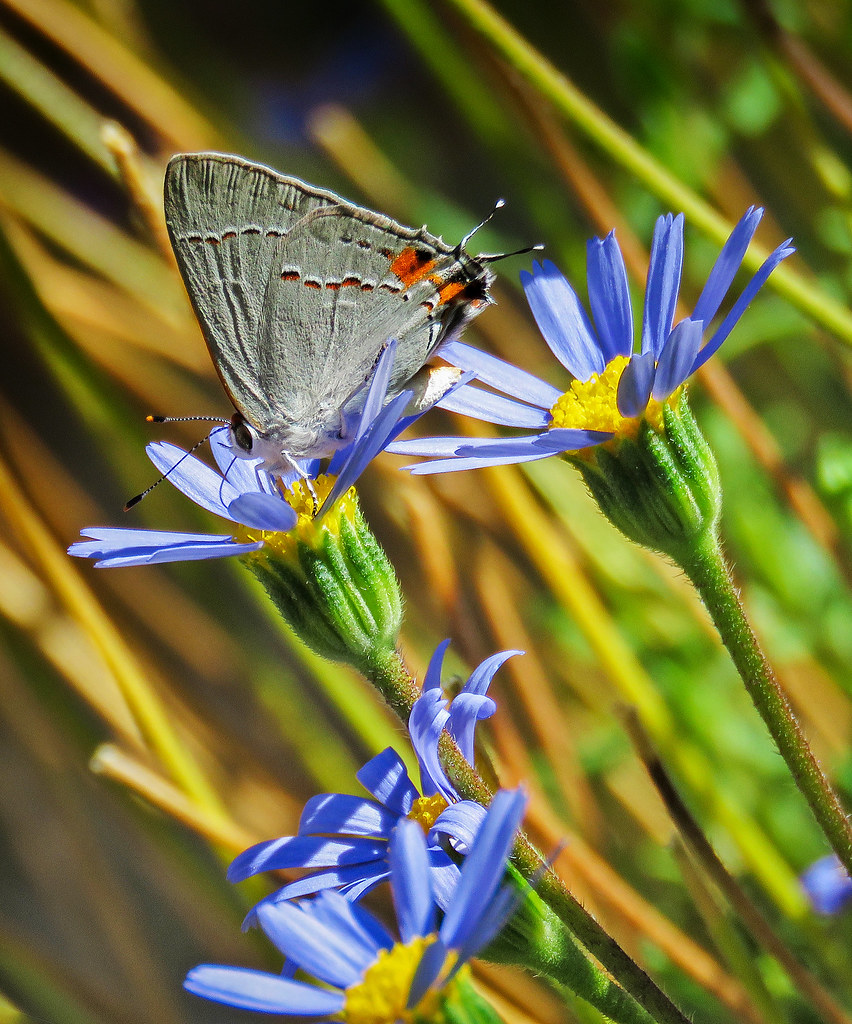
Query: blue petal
[[432, 679], [499, 374], [476, 462], [740, 306], [193, 477], [350, 815], [550, 442], [827, 885], [431, 445], [480, 678], [366, 447], [461, 821], [425, 725], [316, 946], [356, 922], [244, 474], [354, 879], [483, 868], [443, 876], [661, 289], [491, 408], [726, 266], [634, 385], [386, 777], [465, 711], [409, 864], [304, 852], [427, 971], [378, 390], [262, 992], [116, 548], [262, 512], [562, 320], [609, 296], [677, 358]]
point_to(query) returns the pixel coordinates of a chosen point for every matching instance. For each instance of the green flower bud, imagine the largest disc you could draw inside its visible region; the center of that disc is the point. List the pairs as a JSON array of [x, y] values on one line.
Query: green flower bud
[[331, 580], [659, 487]]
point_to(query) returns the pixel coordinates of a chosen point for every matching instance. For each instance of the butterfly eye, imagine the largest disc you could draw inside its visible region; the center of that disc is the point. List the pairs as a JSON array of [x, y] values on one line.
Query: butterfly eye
[[241, 433]]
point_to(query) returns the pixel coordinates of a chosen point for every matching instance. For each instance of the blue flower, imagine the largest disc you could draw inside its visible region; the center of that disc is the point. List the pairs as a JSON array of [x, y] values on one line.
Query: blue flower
[[343, 839], [247, 495], [827, 884], [361, 971], [614, 386]]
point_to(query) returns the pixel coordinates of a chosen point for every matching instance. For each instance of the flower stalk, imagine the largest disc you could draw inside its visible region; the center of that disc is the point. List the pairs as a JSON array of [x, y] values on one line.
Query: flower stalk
[[710, 575]]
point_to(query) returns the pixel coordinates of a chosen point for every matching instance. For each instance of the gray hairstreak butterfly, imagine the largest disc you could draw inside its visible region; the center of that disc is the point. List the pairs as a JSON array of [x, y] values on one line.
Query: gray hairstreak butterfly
[[299, 291]]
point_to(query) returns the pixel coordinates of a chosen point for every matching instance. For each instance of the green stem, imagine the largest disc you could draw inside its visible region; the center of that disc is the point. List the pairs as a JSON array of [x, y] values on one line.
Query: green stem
[[535, 938], [395, 683], [712, 579]]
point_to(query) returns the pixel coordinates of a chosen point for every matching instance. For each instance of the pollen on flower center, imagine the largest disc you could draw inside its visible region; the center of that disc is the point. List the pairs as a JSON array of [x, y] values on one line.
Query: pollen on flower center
[[382, 994], [593, 404], [426, 811]]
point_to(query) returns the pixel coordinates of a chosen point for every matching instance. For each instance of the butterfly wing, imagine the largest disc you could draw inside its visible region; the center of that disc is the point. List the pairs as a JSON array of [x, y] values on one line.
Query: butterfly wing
[[297, 291]]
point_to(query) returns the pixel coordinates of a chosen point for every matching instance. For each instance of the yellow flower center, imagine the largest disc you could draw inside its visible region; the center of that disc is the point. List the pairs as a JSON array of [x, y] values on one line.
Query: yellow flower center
[[381, 995], [593, 404], [426, 811], [299, 497]]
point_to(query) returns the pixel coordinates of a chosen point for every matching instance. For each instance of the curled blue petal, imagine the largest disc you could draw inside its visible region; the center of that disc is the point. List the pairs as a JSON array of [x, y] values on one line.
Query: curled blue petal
[[262, 512], [677, 358], [465, 711], [462, 821], [432, 679], [265, 993], [243, 474], [609, 296], [425, 725], [663, 284], [726, 266], [634, 385], [563, 322]]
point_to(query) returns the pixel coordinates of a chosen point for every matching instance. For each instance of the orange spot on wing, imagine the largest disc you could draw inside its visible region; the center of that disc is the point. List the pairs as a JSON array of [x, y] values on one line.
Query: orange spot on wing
[[449, 291], [411, 265], [312, 284]]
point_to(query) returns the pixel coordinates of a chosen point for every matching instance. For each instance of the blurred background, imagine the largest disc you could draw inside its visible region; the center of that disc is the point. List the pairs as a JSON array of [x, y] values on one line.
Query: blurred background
[[154, 721]]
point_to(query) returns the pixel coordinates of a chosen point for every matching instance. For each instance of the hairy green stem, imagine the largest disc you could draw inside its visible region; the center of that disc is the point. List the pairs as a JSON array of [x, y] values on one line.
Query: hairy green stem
[[712, 579]]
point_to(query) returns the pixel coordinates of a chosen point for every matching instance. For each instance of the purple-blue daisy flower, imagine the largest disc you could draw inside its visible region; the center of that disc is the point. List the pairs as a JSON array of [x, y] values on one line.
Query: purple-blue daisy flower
[[361, 970], [343, 839], [614, 386], [255, 501], [827, 884]]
